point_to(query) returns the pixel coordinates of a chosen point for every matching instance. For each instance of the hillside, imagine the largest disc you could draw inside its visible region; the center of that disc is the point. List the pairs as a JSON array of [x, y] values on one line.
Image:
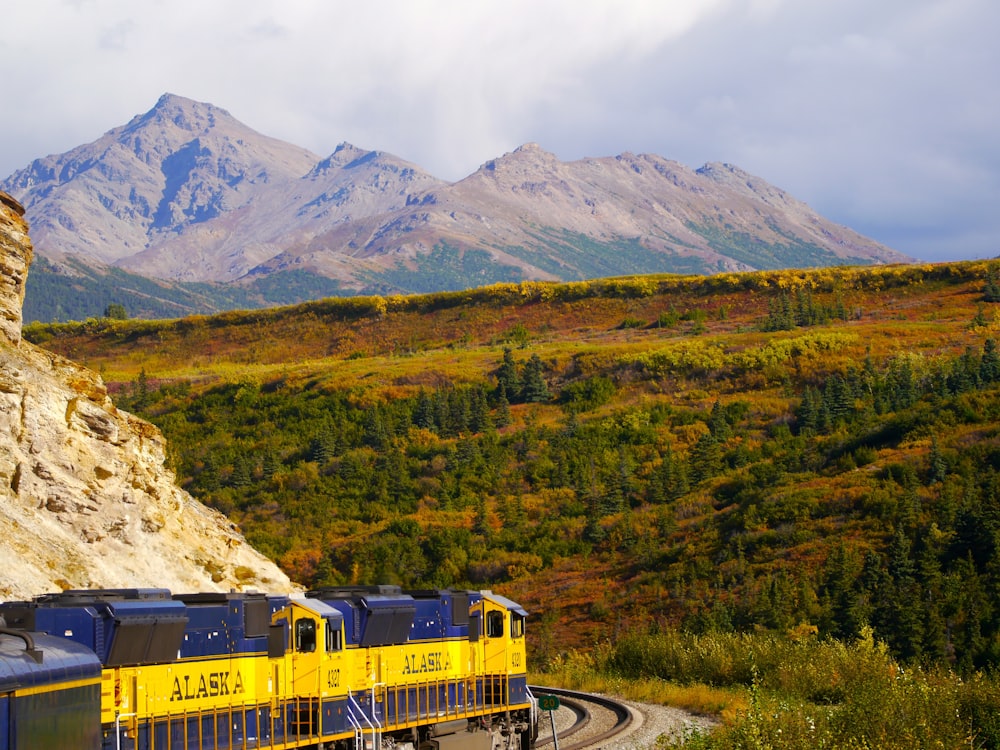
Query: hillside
[[73, 289], [747, 450], [187, 194]]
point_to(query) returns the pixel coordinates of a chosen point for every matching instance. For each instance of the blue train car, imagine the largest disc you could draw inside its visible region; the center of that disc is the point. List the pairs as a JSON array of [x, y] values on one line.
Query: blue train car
[[227, 624], [50, 693], [121, 626]]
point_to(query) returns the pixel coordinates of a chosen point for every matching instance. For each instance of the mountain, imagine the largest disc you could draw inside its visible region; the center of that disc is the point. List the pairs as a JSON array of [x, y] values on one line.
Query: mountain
[[547, 219], [186, 193], [85, 498]]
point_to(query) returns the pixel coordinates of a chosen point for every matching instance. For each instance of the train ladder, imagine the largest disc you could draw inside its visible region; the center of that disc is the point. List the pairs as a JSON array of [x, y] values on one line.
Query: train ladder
[[356, 714]]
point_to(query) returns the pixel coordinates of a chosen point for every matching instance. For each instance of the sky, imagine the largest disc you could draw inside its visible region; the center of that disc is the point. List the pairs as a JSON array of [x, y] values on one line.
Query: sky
[[883, 115]]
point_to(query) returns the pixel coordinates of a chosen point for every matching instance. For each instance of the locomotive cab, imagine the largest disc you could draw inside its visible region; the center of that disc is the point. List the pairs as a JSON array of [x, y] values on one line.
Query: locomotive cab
[[306, 650], [504, 649]]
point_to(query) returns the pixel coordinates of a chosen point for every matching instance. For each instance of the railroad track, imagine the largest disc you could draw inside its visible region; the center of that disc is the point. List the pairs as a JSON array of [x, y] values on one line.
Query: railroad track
[[583, 706]]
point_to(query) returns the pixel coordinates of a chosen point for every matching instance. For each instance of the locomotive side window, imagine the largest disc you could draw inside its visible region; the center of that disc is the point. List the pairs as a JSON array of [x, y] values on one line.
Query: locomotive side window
[[516, 625], [494, 624], [305, 635], [475, 626], [333, 640]]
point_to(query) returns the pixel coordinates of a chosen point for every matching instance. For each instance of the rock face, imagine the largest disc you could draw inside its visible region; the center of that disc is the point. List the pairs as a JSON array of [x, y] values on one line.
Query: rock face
[[85, 498], [13, 266]]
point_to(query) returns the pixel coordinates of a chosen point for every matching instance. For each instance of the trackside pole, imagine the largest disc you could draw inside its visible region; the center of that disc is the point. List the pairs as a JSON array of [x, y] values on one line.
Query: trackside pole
[[550, 703]]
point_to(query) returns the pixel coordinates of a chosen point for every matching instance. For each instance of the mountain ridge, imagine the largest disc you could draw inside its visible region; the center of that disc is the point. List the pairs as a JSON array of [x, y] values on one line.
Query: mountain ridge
[[185, 192]]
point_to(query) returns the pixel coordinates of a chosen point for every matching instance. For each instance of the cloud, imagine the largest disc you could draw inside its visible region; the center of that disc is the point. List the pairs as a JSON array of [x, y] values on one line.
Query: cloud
[[882, 116]]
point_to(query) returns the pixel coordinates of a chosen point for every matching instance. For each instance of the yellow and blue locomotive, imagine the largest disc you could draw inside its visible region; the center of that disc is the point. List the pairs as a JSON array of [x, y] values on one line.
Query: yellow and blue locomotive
[[358, 668]]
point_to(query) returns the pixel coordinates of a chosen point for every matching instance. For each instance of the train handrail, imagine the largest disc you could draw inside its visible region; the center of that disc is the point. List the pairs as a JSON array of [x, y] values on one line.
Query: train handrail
[[351, 700], [29, 643], [118, 728]]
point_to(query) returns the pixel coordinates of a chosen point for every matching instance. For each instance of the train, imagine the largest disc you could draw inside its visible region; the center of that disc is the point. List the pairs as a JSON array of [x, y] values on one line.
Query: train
[[339, 668]]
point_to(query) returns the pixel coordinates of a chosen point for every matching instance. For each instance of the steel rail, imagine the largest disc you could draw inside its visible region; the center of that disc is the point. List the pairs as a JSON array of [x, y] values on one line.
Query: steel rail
[[576, 701]]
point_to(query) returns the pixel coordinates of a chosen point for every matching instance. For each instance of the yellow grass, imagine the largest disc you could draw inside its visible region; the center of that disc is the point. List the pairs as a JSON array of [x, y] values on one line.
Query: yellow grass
[[705, 700]]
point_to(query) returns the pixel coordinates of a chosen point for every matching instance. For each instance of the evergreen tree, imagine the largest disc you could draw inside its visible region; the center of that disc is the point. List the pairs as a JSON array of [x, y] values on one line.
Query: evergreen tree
[[593, 531], [508, 378], [534, 388], [838, 399], [901, 609], [323, 447], [481, 522], [141, 395], [717, 423], [479, 411], [989, 364], [839, 593], [659, 489], [423, 411], [991, 290], [901, 384], [208, 478], [270, 464], [503, 418], [936, 645], [376, 429], [965, 371], [809, 414], [706, 458], [938, 464], [458, 412], [780, 316], [241, 476]]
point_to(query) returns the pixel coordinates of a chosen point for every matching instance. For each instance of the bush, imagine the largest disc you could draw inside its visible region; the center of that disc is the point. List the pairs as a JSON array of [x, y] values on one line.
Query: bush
[[588, 394], [810, 693]]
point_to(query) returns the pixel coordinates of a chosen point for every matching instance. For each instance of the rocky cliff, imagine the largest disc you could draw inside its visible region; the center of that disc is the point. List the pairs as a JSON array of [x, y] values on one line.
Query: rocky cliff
[[85, 498]]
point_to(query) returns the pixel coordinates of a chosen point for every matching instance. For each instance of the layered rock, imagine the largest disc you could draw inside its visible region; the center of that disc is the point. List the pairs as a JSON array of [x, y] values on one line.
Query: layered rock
[[85, 497], [13, 266]]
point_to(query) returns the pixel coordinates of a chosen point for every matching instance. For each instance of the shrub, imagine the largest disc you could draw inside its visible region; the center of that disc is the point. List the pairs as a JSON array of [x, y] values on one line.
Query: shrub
[[809, 693]]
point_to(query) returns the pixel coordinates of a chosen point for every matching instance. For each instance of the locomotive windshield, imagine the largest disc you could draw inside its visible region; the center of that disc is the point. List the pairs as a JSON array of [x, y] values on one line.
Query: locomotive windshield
[[305, 635]]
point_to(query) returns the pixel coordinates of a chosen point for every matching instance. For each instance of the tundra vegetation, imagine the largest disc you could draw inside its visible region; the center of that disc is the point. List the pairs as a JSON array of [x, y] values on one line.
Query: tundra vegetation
[[772, 496]]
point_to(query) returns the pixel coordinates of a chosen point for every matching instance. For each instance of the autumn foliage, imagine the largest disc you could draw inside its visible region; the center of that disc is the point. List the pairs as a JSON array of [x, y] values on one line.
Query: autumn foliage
[[734, 453]]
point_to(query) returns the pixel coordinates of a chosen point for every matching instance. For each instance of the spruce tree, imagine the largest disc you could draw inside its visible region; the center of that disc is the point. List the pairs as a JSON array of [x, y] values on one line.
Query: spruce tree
[[508, 378], [535, 389]]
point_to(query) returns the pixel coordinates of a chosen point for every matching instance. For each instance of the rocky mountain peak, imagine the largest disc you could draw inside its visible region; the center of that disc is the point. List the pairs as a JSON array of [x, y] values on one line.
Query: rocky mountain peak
[[738, 180], [184, 114], [180, 164], [531, 148], [85, 497], [345, 157], [525, 156], [185, 192]]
